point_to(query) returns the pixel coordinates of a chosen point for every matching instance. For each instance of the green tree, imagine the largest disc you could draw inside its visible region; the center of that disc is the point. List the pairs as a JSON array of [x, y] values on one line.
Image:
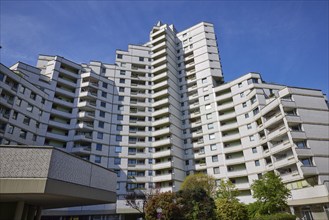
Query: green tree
[[200, 180], [228, 207], [196, 204], [167, 202], [270, 193]]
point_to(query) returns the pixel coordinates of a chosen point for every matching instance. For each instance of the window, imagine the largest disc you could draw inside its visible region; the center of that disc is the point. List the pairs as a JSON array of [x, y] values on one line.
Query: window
[[240, 85], [301, 144], [204, 80], [22, 134], [121, 89], [205, 89], [119, 117], [103, 104], [254, 150], [257, 163], [10, 129], [251, 138], [206, 97], [105, 85], [249, 126], [101, 114], [29, 108], [242, 94], [26, 120], [216, 170], [122, 72], [307, 162], [98, 159], [99, 147], [100, 135], [1, 76], [211, 136], [209, 116], [150, 173], [118, 149], [150, 161], [191, 46], [14, 116], [208, 106], [119, 56], [22, 89], [123, 64], [253, 100], [213, 147], [33, 95], [18, 102], [34, 137], [104, 94], [141, 59], [122, 80], [118, 138], [255, 111], [101, 124], [119, 127], [210, 126], [118, 172], [214, 158], [120, 107], [246, 115], [121, 98], [244, 104], [117, 161]]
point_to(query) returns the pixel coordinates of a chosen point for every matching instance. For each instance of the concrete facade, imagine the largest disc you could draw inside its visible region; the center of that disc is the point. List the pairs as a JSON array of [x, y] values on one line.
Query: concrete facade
[[36, 178], [163, 111]]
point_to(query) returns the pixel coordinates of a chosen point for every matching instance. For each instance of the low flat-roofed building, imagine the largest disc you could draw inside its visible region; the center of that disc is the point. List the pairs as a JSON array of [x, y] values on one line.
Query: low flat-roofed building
[[36, 178]]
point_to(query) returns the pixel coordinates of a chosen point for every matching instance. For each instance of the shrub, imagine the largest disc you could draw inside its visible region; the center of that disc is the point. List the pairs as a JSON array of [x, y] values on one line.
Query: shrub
[[277, 216]]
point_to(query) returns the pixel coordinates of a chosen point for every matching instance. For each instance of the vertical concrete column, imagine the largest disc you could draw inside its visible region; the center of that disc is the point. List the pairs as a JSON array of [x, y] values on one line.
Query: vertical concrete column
[[19, 210], [38, 214]]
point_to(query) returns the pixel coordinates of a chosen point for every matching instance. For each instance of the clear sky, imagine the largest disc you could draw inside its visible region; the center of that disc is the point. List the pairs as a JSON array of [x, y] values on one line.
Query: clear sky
[[286, 41]]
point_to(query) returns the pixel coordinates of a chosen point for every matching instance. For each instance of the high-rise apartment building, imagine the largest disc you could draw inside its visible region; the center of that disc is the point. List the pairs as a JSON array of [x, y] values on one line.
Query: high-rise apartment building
[[163, 111]]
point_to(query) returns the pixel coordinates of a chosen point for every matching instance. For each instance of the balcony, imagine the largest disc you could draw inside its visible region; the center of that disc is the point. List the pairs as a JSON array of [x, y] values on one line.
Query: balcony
[[309, 171], [83, 136], [285, 161], [226, 115], [163, 153], [236, 173], [226, 105], [91, 84], [234, 160], [230, 137], [161, 102], [161, 76], [233, 148], [164, 120], [163, 178], [304, 152], [88, 105], [298, 135], [86, 115], [277, 132], [288, 103], [293, 119], [161, 93], [81, 150], [288, 177], [223, 96], [161, 142], [85, 125], [160, 111], [163, 165], [281, 146], [278, 116], [160, 61], [162, 131], [158, 47], [228, 126]]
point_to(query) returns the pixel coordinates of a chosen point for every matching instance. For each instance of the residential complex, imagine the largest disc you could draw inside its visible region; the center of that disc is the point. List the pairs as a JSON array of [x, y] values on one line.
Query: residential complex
[[163, 111]]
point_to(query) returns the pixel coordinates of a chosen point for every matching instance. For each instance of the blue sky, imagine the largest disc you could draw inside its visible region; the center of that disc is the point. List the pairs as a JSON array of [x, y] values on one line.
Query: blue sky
[[286, 41]]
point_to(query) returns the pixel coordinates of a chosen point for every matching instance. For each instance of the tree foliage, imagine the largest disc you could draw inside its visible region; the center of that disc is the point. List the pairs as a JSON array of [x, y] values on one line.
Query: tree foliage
[[138, 199], [228, 206], [270, 193], [196, 204], [200, 180], [167, 202], [230, 209]]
